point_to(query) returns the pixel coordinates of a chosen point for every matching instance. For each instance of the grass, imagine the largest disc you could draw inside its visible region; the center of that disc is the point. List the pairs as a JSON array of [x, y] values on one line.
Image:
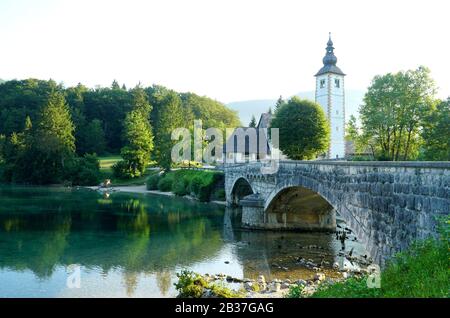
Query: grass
[[201, 183], [106, 163], [423, 271]]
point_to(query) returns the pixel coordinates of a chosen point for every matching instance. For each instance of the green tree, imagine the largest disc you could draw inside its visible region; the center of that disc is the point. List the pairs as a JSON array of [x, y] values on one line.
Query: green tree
[[252, 122], [137, 136], [394, 108], [168, 116], [304, 131], [92, 138], [55, 130], [436, 133], [280, 102]]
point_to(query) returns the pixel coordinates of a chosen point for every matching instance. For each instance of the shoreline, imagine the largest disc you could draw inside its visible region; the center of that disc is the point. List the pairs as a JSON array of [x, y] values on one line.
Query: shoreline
[[143, 190]]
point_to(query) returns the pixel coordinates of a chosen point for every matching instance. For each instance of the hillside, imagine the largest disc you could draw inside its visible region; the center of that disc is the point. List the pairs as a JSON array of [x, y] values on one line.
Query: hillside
[[248, 108]]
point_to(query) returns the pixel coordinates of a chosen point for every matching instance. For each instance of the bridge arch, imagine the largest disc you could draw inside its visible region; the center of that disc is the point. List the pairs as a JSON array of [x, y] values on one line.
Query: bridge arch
[[241, 187], [297, 207]]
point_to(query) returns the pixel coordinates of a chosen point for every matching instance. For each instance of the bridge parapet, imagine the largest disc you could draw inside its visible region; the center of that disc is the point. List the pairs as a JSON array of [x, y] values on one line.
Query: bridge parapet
[[388, 204]]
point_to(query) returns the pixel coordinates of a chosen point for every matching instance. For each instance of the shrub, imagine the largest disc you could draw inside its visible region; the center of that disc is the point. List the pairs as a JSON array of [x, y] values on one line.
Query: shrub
[[152, 181], [195, 185], [83, 171], [179, 187], [295, 291], [204, 193], [165, 184], [219, 194], [122, 170], [190, 284], [193, 285]]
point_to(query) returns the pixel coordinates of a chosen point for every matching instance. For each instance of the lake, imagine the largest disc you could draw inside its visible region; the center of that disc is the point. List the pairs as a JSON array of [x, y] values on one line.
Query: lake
[[57, 242]]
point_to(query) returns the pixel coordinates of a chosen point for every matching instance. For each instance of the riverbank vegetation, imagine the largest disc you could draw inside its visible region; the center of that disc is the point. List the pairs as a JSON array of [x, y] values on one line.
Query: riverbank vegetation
[[193, 285], [45, 128], [402, 119], [421, 271], [202, 184]]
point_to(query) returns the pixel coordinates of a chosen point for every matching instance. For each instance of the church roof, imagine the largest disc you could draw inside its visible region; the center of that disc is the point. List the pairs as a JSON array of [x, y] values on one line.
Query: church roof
[[329, 61]]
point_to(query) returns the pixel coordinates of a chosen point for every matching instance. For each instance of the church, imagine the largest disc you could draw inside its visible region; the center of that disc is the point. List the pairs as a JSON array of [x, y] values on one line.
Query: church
[[329, 94]]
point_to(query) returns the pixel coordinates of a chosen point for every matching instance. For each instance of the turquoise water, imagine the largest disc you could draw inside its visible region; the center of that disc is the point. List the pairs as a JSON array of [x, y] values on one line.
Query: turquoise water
[[58, 242]]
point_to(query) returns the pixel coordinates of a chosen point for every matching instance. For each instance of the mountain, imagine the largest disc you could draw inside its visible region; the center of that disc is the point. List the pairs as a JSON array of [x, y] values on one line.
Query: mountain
[[245, 109]]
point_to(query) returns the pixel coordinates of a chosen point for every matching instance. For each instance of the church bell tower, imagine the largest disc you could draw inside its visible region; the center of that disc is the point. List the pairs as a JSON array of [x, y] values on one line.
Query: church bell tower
[[330, 94]]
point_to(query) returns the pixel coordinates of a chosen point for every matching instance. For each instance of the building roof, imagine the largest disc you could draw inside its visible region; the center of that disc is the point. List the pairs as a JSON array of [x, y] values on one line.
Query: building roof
[[330, 61], [264, 120]]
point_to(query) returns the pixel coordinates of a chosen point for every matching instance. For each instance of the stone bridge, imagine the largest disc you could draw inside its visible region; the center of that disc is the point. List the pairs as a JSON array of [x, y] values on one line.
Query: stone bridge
[[387, 204]]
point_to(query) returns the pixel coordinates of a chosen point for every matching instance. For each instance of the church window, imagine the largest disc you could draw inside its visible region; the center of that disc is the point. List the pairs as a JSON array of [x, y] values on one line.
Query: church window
[[337, 83], [322, 83]]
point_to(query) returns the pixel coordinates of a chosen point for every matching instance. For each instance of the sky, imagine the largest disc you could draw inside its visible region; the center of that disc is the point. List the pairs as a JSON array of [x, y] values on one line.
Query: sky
[[229, 50]]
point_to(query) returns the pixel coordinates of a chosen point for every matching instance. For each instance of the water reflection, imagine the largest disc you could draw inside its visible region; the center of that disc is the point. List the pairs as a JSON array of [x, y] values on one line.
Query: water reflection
[[132, 245]]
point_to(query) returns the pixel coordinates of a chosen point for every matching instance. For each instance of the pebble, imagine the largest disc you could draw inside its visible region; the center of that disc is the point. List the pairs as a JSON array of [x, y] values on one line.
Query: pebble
[[319, 277]]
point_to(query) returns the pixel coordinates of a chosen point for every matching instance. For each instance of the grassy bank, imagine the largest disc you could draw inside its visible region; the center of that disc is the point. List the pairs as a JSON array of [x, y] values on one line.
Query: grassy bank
[[106, 171], [204, 185], [421, 271]]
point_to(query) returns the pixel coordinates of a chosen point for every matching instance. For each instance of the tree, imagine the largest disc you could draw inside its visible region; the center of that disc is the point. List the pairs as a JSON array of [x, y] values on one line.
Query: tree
[[303, 129], [168, 116], [92, 138], [394, 108], [252, 122], [42, 151], [270, 111], [137, 136], [436, 133], [136, 153], [280, 102]]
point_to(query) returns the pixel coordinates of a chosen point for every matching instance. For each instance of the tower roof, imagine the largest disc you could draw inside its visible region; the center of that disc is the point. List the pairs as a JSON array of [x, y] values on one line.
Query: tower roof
[[329, 61]]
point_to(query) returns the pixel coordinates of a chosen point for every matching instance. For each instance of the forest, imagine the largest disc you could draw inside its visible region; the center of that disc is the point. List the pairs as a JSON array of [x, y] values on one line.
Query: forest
[[48, 131]]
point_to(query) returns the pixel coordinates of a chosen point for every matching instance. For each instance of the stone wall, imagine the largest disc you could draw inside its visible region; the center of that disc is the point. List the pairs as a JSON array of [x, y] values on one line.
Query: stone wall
[[387, 204]]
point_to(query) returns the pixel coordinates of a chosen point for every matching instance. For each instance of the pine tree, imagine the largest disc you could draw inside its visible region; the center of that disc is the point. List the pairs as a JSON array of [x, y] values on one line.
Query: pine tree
[[138, 137], [136, 153], [280, 102], [252, 122], [169, 116]]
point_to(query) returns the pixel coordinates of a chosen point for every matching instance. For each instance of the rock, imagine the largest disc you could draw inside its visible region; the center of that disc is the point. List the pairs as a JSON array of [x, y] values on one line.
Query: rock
[[248, 286], [275, 287], [227, 262], [288, 281], [229, 278], [301, 282], [319, 277], [336, 265], [261, 279], [345, 275], [285, 285]]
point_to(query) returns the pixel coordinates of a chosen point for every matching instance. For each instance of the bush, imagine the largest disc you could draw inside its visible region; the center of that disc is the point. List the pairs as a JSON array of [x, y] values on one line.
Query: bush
[[220, 195], [295, 291], [195, 185], [83, 171], [180, 187], [165, 184], [122, 170], [152, 181], [193, 285]]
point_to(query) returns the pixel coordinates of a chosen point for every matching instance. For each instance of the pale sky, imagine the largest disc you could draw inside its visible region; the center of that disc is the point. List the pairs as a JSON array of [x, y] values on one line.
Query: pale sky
[[226, 49]]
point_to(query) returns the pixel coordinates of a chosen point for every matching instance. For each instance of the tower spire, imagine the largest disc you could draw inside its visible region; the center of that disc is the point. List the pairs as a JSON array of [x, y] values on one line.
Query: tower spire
[[330, 60]]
